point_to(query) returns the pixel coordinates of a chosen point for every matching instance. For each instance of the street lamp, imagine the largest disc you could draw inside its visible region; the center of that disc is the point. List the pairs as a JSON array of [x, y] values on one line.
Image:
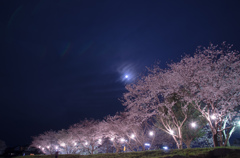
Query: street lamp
[[132, 136], [213, 117], [165, 148], [151, 133], [122, 140], [193, 124]]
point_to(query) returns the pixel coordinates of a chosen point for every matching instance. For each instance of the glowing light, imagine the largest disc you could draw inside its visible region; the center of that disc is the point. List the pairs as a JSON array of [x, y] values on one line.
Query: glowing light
[[100, 141], [56, 147], [213, 117], [63, 144], [193, 124], [165, 148], [48, 147], [112, 139], [147, 144], [151, 133], [122, 140], [75, 143], [171, 132], [39, 146], [42, 148], [126, 76], [86, 143], [239, 123], [132, 136]]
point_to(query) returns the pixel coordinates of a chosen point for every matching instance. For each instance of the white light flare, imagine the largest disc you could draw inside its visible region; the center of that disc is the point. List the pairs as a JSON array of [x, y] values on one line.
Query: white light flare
[[63, 144], [165, 148], [171, 132]]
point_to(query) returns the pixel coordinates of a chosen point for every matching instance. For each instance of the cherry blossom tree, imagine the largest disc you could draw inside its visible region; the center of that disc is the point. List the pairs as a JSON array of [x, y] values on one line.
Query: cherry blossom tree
[[212, 80], [116, 129], [67, 143], [127, 132], [89, 134], [209, 81], [46, 142], [153, 96]]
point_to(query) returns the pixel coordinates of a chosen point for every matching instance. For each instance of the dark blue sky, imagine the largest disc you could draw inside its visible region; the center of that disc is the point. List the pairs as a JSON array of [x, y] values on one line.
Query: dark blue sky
[[64, 60]]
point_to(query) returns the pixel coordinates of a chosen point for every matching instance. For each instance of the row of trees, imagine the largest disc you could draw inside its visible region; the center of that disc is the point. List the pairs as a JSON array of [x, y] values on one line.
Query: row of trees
[[113, 134], [199, 92]]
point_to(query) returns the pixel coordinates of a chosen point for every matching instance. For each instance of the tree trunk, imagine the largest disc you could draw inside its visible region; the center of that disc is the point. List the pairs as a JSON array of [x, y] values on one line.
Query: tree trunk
[[143, 147], [176, 141], [180, 145], [228, 143], [180, 138], [117, 150], [92, 149], [228, 136], [188, 144], [215, 140]]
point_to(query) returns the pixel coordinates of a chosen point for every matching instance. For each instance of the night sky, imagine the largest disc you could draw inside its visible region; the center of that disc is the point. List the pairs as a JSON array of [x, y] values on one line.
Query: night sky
[[65, 60]]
